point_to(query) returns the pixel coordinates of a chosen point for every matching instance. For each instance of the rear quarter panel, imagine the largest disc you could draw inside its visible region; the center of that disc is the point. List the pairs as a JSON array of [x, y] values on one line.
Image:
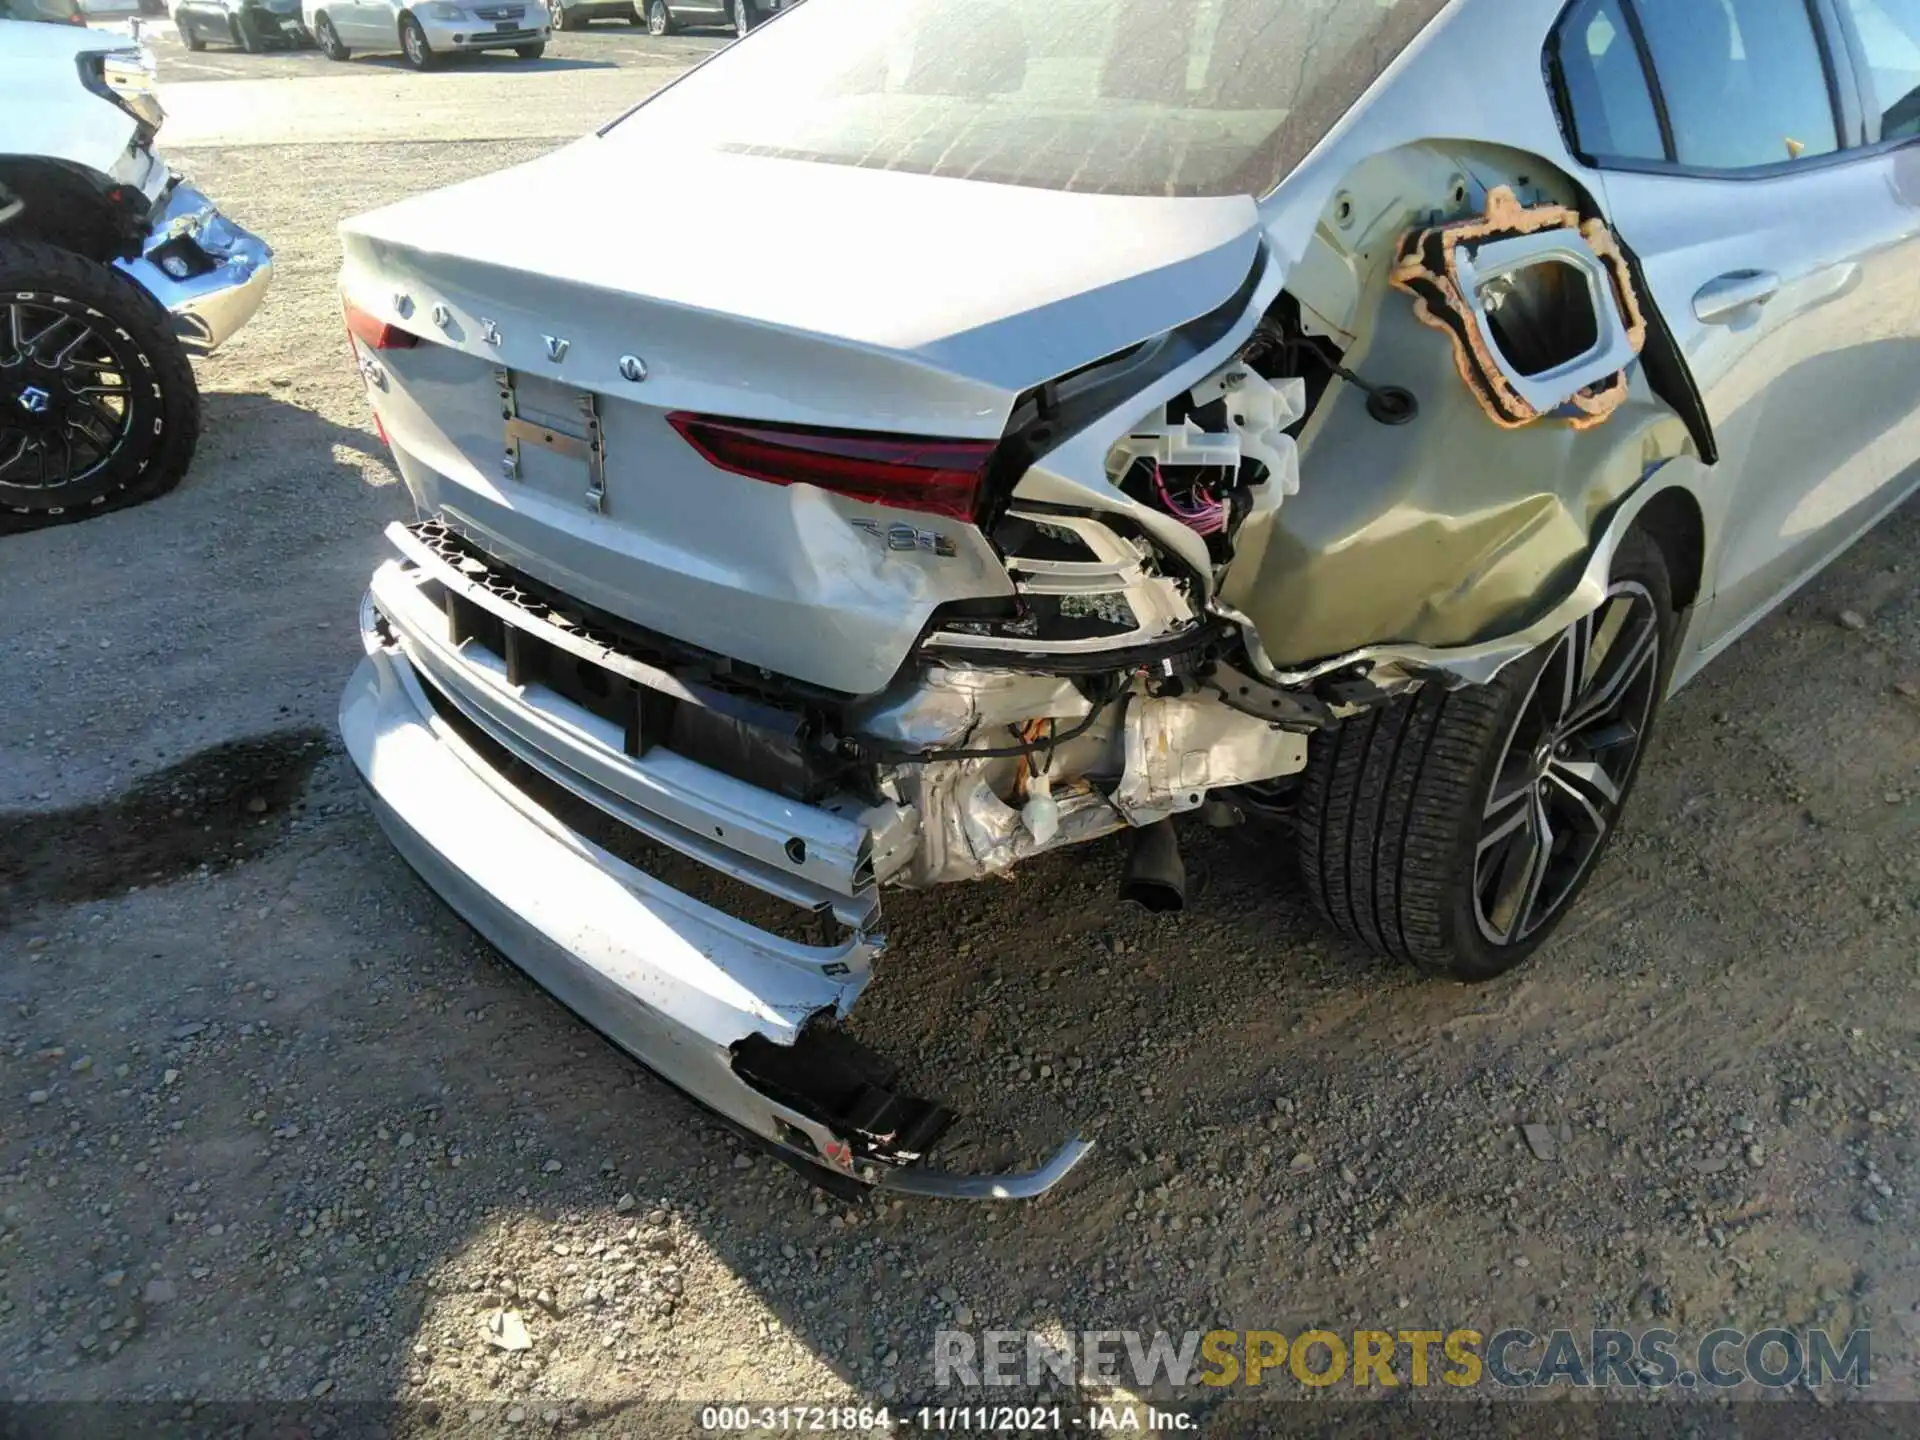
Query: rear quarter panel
[[1450, 530]]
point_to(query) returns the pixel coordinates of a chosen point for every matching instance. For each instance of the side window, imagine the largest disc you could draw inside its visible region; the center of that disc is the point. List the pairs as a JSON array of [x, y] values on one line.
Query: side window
[[1887, 34], [1744, 81], [1606, 87]]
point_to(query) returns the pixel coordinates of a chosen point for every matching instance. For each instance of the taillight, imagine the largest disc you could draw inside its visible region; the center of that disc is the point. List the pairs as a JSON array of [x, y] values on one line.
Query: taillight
[[375, 333], [939, 477]]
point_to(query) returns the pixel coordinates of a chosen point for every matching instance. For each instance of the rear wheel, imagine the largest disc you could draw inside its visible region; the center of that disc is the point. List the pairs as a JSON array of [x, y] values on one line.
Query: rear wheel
[[1455, 829], [659, 18], [98, 406], [742, 16], [329, 39], [413, 45]]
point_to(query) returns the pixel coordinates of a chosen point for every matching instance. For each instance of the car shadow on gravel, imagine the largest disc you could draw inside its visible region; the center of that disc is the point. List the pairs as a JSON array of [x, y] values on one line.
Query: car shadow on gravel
[[214, 810], [487, 59], [270, 422]]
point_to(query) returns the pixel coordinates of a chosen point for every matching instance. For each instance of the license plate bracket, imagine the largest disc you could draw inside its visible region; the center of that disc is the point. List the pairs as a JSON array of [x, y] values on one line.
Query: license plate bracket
[[588, 448]]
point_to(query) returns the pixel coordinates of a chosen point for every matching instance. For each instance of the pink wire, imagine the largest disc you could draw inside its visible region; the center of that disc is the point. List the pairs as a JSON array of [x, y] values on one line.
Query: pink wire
[[1209, 518]]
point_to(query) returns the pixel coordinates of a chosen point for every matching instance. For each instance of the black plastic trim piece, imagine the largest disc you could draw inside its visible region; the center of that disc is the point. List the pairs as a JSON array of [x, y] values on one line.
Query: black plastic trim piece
[[1644, 52], [830, 1077], [1666, 365]]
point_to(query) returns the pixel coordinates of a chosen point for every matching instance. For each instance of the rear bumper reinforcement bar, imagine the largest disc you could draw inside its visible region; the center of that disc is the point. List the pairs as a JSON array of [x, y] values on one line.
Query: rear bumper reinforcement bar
[[693, 993]]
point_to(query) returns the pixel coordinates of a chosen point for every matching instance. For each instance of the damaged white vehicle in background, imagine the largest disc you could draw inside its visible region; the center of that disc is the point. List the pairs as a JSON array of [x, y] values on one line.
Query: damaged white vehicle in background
[[1322, 411], [113, 270]]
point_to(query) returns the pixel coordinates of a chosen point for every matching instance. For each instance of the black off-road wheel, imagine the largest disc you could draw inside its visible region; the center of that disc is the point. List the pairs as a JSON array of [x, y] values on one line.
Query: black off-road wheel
[[98, 405], [1456, 829]]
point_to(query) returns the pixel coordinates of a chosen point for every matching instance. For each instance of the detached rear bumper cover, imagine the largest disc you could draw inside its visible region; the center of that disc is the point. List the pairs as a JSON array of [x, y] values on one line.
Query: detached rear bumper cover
[[224, 270], [674, 982]]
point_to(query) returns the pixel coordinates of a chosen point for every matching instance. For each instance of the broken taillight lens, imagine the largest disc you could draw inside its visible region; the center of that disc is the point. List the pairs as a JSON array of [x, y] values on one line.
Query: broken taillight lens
[[375, 333], [938, 477]]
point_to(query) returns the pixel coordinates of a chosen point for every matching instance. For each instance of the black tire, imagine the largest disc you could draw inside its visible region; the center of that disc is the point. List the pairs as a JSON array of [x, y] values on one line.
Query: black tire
[[128, 338], [530, 52], [187, 38], [329, 39], [660, 19], [1399, 807], [414, 48]]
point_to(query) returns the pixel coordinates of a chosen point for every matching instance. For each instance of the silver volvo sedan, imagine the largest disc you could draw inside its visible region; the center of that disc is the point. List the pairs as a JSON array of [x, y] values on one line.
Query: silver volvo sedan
[[965, 428]]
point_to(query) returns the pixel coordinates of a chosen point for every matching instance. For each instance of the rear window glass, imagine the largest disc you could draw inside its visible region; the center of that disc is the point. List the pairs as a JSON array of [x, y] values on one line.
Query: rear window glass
[[1744, 82], [1606, 85], [1888, 33], [1134, 97]]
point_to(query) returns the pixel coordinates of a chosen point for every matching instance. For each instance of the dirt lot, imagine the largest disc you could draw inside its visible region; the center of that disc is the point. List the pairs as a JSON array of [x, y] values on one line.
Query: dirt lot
[[274, 1124]]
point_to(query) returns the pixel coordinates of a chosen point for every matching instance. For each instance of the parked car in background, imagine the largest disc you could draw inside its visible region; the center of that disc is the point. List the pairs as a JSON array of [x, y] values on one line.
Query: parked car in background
[[574, 14], [664, 17], [1355, 418], [108, 12], [426, 34], [113, 270], [250, 25], [52, 12]]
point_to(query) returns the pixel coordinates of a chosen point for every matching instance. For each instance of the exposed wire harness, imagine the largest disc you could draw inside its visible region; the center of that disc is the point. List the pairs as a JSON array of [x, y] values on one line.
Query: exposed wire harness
[[1200, 513]]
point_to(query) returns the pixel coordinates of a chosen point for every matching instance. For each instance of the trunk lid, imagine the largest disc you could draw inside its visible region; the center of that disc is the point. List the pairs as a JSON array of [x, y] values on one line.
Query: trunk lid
[[763, 290]]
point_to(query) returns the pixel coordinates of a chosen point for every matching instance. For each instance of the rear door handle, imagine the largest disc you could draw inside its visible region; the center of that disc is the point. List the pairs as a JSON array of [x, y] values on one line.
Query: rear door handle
[[1720, 300]]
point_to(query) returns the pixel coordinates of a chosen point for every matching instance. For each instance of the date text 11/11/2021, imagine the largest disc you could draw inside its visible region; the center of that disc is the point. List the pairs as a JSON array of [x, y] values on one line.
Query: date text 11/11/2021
[[945, 1419]]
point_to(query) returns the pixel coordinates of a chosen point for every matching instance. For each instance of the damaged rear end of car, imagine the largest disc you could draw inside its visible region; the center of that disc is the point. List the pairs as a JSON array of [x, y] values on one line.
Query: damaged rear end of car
[[1037, 493]]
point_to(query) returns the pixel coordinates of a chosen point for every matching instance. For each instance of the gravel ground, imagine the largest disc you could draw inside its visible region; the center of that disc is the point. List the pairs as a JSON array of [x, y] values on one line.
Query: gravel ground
[[274, 1124]]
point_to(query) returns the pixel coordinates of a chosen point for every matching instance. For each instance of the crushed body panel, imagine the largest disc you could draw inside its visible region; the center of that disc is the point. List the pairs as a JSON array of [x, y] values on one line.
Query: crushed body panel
[[1480, 517], [1235, 490]]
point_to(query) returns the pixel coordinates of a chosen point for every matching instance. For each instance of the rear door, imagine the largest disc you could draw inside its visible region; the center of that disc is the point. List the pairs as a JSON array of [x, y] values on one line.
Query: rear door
[[371, 23], [1779, 239]]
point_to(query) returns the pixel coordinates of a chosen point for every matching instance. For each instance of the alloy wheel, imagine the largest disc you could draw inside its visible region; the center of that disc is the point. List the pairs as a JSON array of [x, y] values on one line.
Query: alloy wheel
[[657, 18], [1557, 791], [66, 399]]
